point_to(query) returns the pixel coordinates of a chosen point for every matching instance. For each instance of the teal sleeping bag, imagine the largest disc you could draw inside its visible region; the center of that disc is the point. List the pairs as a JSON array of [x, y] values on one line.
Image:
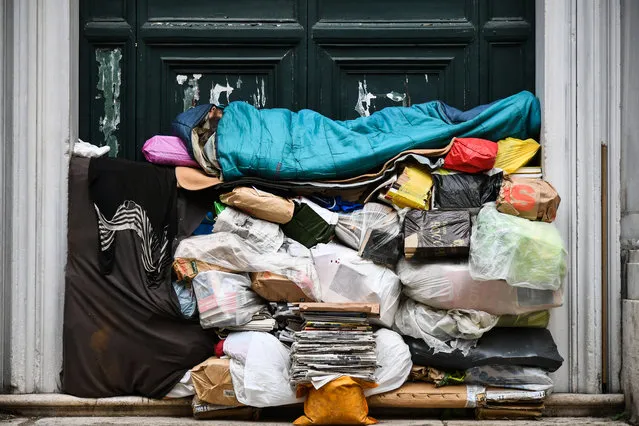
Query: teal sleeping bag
[[280, 144]]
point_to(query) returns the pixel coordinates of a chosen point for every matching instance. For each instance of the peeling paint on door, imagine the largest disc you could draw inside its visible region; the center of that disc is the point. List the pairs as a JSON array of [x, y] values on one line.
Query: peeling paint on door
[[364, 98], [181, 78], [109, 81], [259, 97], [218, 89], [397, 97], [239, 82], [191, 92]]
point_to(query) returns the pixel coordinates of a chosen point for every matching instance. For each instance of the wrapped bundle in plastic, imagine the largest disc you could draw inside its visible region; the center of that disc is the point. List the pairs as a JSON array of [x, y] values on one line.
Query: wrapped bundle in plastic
[[465, 191], [444, 331], [225, 299], [260, 367], [393, 362], [447, 284], [345, 277], [533, 347], [374, 231], [510, 376], [524, 253], [230, 251], [266, 236], [429, 234]]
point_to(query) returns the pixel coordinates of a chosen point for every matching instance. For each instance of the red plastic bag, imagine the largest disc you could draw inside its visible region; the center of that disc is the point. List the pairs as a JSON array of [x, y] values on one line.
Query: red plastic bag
[[471, 155]]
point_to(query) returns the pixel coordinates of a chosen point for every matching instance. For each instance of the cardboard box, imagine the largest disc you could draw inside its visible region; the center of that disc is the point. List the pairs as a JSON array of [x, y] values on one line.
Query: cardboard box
[[213, 384], [427, 395], [277, 288]]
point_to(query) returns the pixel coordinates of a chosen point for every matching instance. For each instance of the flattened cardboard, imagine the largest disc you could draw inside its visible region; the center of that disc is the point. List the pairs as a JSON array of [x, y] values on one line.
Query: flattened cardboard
[[213, 384], [427, 395], [277, 288], [368, 308]]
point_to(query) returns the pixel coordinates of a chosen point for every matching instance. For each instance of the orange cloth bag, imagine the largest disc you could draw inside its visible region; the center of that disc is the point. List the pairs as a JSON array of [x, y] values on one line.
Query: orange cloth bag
[[340, 402]]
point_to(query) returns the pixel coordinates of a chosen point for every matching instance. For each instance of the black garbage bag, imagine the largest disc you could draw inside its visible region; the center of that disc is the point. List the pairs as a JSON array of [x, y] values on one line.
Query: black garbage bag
[[531, 347], [465, 191], [436, 233]]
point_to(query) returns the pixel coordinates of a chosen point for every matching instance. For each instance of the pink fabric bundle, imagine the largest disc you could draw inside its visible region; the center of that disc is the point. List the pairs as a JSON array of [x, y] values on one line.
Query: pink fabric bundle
[[168, 151]]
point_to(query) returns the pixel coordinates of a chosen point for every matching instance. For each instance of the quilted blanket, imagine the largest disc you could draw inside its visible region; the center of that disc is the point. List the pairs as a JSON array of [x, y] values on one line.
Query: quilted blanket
[[280, 144]]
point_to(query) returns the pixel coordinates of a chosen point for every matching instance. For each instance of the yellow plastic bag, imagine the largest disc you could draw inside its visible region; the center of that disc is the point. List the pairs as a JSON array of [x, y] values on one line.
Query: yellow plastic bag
[[340, 402], [514, 153], [412, 189]]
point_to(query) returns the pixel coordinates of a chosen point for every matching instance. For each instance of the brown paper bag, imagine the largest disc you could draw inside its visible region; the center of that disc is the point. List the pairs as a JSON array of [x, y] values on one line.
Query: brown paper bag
[[532, 199], [277, 288], [212, 382], [260, 204]]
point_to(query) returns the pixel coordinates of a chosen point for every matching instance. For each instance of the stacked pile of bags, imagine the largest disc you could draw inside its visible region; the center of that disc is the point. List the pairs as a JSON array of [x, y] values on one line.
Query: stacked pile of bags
[[458, 250]]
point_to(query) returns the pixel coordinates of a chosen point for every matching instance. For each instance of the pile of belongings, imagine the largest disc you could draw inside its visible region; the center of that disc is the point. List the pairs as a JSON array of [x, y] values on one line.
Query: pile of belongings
[[245, 266]]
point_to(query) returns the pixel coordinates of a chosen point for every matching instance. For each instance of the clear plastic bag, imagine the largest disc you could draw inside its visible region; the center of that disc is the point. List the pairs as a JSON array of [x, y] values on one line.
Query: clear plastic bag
[[374, 231], [260, 234], [510, 376], [393, 362], [444, 331], [260, 367], [345, 277], [524, 253], [225, 299], [447, 284], [230, 251]]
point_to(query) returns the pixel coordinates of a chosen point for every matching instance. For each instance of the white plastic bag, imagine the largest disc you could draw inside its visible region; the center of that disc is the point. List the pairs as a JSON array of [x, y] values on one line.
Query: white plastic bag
[[522, 252], [393, 362], [230, 251], [447, 284], [345, 277], [444, 331], [263, 236], [260, 369], [225, 299], [183, 388], [510, 376]]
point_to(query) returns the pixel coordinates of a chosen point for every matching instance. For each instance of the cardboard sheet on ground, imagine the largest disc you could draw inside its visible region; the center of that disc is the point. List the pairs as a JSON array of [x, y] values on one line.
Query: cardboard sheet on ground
[[427, 395]]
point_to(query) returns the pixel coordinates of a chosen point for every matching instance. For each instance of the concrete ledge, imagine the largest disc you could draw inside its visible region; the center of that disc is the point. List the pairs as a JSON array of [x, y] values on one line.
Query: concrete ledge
[[56, 405]]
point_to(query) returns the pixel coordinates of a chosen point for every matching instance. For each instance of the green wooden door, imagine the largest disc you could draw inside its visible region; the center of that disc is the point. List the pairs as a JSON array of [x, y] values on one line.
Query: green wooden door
[[144, 61]]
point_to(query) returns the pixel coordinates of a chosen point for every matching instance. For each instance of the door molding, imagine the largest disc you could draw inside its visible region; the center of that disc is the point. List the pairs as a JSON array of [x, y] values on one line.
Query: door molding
[[578, 41]]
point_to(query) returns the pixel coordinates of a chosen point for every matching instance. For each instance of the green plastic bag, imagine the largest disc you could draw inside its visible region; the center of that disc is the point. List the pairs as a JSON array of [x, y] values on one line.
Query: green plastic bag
[[522, 252]]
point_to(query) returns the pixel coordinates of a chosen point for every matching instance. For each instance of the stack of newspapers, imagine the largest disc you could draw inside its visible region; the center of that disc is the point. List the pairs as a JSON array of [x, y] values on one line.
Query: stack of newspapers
[[335, 340]]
